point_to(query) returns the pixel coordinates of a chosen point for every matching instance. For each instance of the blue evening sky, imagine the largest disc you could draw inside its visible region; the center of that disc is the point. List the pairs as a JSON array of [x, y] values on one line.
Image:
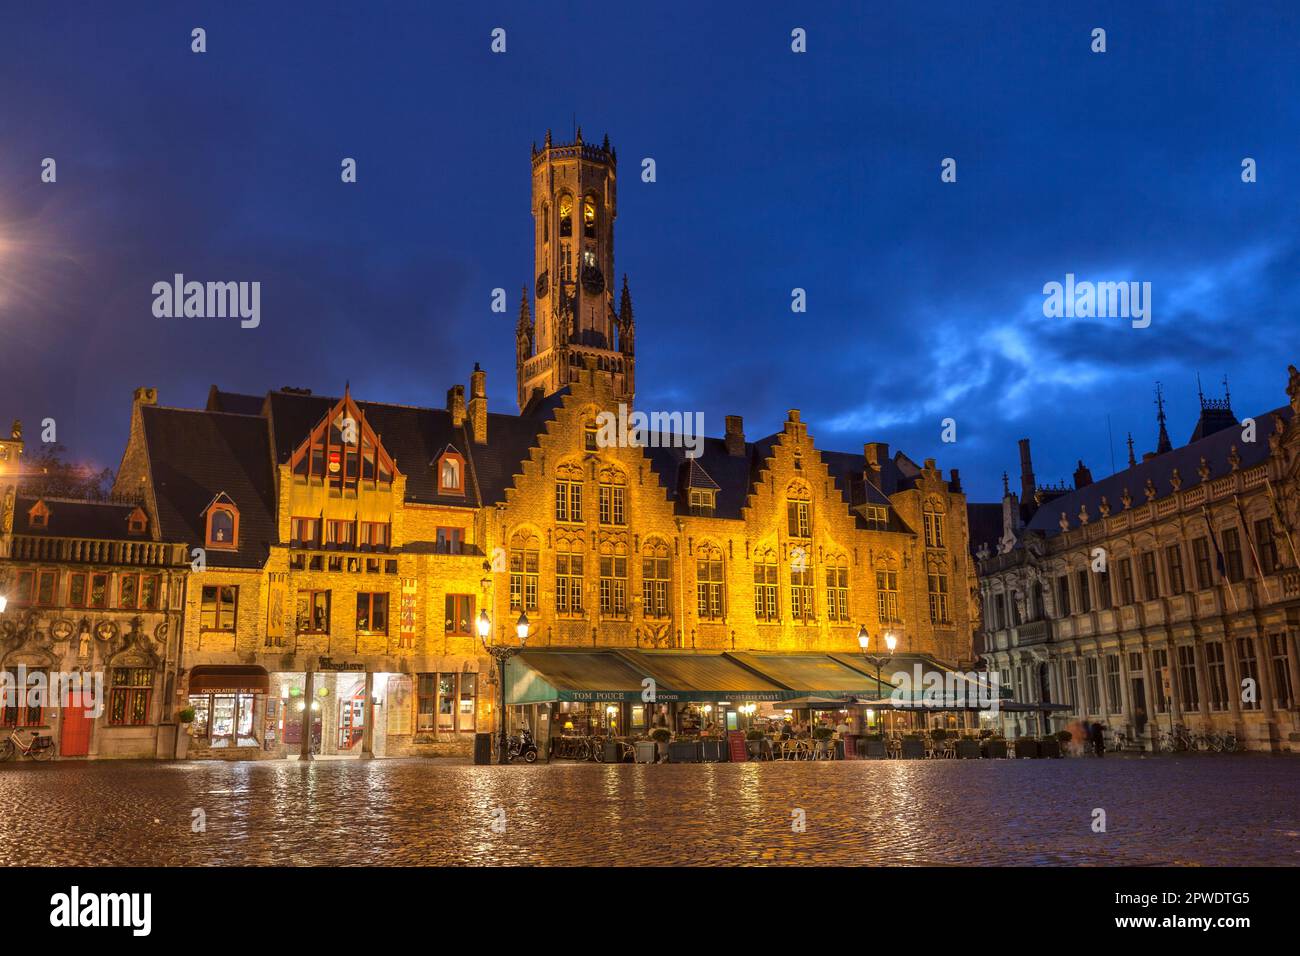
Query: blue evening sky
[[775, 171]]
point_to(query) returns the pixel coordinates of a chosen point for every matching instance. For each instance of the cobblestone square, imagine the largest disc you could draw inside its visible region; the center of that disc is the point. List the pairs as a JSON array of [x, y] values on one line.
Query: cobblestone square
[[1183, 811]]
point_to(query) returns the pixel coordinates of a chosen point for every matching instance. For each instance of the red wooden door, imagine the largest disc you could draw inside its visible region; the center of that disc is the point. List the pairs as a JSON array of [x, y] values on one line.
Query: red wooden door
[[74, 738]]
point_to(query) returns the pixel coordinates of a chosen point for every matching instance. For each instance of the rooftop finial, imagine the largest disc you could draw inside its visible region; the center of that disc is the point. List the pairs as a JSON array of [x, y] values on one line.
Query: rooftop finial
[[1131, 460], [1163, 444]]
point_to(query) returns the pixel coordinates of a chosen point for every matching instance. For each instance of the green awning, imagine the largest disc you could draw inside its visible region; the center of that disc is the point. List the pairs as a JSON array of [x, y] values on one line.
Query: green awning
[[711, 677], [813, 675], [922, 682], [539, 677]]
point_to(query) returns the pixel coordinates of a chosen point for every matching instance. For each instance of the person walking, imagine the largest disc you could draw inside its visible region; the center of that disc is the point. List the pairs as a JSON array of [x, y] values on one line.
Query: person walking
[[1099, 740]]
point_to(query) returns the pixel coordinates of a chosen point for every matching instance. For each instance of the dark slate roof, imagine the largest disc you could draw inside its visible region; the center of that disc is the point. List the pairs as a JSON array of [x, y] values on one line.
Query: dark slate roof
[[219, 401], [414, 436], [733, 473], [74, 518], [697, 477], [985, 523], [195, 455], [1215, 448]]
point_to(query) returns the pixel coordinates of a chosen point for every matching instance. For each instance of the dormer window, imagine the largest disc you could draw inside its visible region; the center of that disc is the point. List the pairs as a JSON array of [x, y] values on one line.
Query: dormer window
[[137, 522], [703, 501], [38, 516], [451, 473], [222, 524], [877, 517]]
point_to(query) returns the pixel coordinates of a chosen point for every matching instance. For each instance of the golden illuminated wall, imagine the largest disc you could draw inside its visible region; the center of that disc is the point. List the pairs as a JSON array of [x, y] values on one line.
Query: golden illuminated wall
[[527, 521]]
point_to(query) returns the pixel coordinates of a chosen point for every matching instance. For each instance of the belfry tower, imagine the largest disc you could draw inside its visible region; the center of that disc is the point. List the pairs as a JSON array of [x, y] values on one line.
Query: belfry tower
[[573, 318]]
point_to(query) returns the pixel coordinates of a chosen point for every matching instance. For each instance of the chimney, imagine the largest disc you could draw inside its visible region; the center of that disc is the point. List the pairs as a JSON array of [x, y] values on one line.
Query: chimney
[[478, 405], [955, 484], [876, 453], [735, 439], [456, 405], [1082, 476], [1027, 483]]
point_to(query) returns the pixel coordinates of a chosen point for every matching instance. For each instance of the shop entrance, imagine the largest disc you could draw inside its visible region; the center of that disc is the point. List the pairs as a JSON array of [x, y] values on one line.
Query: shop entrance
[[350, 725]]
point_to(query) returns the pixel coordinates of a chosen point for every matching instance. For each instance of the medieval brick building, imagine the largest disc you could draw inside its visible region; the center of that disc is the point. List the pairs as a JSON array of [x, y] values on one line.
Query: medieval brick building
[[340, 553]]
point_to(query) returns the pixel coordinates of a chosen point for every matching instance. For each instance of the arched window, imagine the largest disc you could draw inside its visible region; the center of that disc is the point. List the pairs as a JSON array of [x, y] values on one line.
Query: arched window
[[545, 221], [710, 586], [589, 217], [565, 208]]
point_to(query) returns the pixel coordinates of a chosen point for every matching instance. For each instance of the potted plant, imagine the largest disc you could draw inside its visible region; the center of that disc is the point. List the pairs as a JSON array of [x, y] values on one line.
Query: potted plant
[[661, 736], [1026, 747], [186, 717], [995, 745], [968, 747], [913, 745], [875, 746], [1049, 746]]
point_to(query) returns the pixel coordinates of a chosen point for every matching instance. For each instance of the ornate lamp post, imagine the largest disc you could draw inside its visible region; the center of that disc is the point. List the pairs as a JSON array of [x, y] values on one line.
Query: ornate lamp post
[[891, 642], [502, 653]]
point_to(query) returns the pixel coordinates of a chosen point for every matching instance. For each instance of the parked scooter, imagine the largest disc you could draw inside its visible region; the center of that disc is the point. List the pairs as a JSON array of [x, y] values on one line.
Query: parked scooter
[[522, 746]]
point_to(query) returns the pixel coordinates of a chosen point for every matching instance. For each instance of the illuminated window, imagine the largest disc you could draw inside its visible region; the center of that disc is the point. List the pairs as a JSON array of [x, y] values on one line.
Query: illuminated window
[[217, 611], [222, 524], [589, 217], [372, 613], [566, 214], [703, 501], [655, 580], [568, 578], [766, 603], [38, 516], [709, 584], [451, 474], [837, 593], [613, 584], [887, 595], [313, 612], [128, 702], [798, 519]]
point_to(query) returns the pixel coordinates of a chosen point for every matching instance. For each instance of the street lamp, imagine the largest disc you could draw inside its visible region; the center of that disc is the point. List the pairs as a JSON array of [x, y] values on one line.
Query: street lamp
[[864, 639], [502, 653]]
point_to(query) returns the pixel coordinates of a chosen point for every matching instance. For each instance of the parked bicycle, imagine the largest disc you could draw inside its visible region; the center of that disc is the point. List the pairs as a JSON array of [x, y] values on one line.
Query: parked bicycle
[[38, 747]]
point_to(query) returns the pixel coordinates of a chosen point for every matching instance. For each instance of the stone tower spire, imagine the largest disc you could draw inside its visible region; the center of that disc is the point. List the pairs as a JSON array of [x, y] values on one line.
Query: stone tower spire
[[523, 332], [626, 323], [1163, 444], [574, 202]]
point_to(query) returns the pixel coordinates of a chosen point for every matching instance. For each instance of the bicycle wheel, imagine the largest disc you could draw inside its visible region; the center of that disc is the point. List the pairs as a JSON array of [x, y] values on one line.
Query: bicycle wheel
[[7, 750], [1230, 743], [44, 753]]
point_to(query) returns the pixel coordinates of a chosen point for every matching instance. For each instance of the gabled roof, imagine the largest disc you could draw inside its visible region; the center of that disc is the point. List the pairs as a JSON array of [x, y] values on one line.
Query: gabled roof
[[1215, 448], [193, 456]]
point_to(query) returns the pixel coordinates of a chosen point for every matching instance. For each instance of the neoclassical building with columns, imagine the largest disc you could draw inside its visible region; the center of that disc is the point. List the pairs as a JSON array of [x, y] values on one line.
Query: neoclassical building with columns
[[1164, 596]]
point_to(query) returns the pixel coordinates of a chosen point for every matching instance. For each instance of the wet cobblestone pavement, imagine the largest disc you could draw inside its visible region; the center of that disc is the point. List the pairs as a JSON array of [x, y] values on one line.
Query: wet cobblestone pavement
[[1193, 810]]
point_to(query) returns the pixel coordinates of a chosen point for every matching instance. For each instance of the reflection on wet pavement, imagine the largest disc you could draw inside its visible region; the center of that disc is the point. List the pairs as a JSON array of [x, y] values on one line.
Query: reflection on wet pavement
[[1194, 810]]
